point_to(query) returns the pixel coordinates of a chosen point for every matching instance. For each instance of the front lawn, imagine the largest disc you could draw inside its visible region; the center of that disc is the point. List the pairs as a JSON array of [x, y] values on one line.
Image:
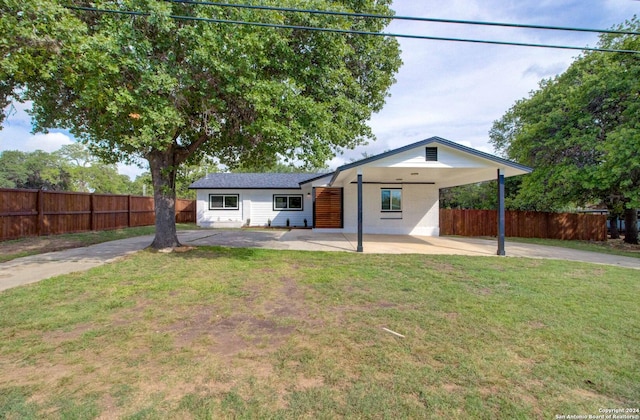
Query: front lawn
[[248, 333]]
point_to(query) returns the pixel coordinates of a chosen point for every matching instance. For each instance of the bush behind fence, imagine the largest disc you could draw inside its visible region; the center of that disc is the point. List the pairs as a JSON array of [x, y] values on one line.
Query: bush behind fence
[[524, 224], [37, 212]]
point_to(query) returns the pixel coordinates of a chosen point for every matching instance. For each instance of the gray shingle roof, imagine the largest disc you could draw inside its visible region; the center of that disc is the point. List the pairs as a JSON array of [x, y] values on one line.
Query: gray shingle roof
[[258, 181]]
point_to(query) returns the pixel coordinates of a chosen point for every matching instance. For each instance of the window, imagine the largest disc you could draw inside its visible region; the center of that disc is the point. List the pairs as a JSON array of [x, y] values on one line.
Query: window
[[223, 201], [287, 202], [391, 200], [432, 154]]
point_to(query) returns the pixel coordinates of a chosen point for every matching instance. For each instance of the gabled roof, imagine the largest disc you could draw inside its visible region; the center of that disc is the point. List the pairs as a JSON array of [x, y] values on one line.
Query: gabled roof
[[254, 180], [295, 180], [423, 143]]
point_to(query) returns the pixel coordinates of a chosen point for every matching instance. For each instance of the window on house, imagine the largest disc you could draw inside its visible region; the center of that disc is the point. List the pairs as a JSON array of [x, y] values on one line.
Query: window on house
[[432, 154], [223, 201], [287, 202], [391, 199]]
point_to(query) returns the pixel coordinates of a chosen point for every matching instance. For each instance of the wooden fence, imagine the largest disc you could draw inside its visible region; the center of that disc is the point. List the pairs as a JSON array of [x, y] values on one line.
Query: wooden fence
[[524, 224], [36, 212]]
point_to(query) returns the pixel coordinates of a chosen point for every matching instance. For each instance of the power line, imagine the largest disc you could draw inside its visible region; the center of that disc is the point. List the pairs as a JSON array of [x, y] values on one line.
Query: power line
[[409, 18], [354, 32]]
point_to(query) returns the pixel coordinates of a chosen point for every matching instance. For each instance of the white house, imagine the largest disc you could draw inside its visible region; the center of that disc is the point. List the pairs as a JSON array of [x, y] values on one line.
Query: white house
[[399, 191]]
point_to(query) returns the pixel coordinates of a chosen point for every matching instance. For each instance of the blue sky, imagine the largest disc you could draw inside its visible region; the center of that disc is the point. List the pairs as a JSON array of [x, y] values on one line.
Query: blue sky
[[446, 89]]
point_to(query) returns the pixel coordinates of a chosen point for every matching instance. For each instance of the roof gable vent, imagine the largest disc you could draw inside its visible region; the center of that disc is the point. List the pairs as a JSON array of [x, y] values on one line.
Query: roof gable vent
[[432, 154]]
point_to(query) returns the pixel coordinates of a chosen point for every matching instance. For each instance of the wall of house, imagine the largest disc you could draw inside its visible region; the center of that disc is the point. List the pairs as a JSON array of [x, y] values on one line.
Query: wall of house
[[255, 208], [419, 215]]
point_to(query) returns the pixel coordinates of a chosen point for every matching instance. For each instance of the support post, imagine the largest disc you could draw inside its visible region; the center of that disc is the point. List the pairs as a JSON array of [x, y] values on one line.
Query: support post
[[501, 217], [359, 248]]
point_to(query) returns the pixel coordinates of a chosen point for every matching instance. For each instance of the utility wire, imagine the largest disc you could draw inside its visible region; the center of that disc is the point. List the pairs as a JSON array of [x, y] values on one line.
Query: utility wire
[[354, 32], [410, 18]]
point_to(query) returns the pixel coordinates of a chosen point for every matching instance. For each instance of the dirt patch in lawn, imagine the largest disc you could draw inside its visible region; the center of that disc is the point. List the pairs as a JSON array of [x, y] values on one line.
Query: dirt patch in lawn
[[222, 348], [621, 245]]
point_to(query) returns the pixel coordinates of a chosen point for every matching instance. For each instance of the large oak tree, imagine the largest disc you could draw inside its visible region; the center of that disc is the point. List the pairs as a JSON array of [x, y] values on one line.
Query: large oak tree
[[581, 133], [150, 86]]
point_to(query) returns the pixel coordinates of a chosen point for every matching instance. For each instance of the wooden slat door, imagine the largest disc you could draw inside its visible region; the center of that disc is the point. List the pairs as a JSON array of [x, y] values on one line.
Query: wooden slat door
[[328, 208]]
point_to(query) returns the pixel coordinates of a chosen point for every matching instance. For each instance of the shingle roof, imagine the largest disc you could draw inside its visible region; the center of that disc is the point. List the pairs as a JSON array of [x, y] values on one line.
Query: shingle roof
[[258, 181]]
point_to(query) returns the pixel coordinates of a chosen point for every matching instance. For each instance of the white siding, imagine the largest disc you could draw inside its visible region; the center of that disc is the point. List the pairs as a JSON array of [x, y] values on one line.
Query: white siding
[[420, 210], [416, 158], [255, 209]]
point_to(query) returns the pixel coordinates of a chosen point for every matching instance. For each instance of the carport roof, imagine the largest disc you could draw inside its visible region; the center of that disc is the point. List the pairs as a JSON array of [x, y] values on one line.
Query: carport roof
[[443, 142], [443, 175]]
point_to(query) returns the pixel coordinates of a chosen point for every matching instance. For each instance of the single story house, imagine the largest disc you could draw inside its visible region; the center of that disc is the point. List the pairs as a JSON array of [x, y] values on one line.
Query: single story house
[[396, 192]]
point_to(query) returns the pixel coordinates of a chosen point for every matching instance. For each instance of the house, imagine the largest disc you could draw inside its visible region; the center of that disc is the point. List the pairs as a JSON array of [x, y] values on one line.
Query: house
[[396, 192]]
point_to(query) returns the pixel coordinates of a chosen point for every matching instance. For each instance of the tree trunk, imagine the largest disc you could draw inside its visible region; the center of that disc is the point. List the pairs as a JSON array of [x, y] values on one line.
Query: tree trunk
[[163, 175], [631, 226], [613, 227]]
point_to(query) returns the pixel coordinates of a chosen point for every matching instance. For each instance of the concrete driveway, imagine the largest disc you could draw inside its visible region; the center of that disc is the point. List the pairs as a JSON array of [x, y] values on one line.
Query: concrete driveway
[[39, 267]]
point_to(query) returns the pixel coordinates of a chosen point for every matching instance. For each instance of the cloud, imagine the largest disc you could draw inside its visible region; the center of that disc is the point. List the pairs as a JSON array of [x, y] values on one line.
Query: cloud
[[15, 138], [16, 132], [544, 72], [456, 90]]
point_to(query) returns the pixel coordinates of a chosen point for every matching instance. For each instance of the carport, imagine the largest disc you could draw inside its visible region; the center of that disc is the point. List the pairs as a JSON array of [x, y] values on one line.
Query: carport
[[397, 192]]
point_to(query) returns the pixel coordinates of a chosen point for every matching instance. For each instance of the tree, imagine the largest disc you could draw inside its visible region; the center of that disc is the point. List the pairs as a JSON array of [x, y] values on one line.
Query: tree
[[90, 174], [190, 172], [150, 86], [71, 168], [279, 167], [481, 196], [579, 131], [34, 170]]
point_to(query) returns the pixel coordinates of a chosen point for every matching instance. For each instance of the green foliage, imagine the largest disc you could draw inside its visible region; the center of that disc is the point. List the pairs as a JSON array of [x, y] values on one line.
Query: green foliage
[[481, 196], [72, 168], [579, 131], [35, 170], [186, 174], [278, 167], [171, 90]]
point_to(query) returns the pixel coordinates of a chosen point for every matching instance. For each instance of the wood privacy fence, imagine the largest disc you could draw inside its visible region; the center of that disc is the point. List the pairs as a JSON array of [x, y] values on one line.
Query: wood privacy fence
[[524, 224], [36, 212]]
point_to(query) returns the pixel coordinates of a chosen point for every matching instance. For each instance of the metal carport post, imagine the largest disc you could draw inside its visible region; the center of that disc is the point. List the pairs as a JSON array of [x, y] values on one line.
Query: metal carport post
[[501, 218], [359, 248]]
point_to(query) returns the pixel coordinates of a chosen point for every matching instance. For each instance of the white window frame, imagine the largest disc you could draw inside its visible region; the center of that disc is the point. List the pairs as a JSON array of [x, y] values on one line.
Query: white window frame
[[224, 202]]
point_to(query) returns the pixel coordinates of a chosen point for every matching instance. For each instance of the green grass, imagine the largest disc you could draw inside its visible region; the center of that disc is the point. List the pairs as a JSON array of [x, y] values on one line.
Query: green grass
[[252, 333], [37, 245], [599, 247]]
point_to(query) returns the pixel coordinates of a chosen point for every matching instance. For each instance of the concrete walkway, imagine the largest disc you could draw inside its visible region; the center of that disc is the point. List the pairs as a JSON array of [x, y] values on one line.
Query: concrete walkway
[[39, 267]]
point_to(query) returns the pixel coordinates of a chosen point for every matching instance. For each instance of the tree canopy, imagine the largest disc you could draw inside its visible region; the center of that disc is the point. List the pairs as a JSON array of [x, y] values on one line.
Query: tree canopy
[[168, 90], [35, 170], [71, 168], [580, 131]]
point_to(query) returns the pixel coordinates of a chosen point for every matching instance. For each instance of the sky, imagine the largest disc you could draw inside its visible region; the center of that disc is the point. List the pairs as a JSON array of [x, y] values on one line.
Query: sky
[[447, 89]]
